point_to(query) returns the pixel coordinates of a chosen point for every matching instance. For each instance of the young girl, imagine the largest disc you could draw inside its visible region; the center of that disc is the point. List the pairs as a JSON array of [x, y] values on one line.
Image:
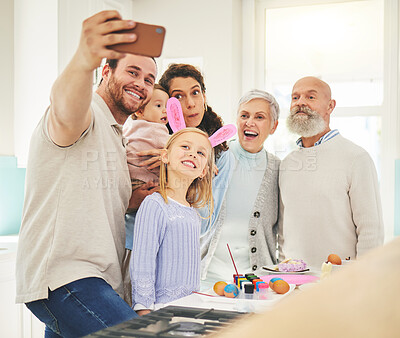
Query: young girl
[[165, 262]]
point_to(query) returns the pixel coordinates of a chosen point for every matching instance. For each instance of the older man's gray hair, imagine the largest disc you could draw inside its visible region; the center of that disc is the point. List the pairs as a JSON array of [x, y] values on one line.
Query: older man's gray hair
[[261, 94]]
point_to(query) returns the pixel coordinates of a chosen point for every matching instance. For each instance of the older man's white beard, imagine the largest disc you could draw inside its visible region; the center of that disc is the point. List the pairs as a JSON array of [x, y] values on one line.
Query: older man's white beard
[[307, 125]]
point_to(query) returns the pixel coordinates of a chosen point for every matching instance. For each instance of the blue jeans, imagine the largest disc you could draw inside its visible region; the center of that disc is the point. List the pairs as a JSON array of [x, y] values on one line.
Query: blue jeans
[[81, 307]]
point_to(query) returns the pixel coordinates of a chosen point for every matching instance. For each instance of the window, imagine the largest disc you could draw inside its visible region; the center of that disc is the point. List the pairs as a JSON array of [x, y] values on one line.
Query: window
[[342, 43], [351, 44]]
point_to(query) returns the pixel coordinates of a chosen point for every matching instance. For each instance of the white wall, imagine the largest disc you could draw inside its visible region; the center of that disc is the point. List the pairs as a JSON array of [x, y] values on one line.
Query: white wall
[[7, 77], [35, 66], [209, 29], [70, 18], [46, 34]]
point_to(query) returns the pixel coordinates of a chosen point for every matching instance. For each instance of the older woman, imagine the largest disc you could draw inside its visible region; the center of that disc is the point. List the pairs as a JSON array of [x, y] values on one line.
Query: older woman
[[246, 196]]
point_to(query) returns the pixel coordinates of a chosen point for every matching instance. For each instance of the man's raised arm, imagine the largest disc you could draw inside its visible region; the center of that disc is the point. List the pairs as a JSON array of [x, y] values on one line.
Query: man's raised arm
[[71, 93]]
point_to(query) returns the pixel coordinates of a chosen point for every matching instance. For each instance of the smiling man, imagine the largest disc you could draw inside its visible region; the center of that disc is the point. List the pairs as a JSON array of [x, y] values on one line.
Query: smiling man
[[329, 188], [127, 84], [72, 237]]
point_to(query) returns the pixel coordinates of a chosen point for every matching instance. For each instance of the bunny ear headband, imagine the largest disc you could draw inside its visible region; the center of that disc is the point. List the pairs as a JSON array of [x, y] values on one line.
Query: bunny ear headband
[[177, 122]]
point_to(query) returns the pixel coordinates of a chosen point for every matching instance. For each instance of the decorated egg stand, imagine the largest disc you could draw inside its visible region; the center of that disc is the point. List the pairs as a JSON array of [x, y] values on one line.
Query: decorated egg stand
[[249, 285]]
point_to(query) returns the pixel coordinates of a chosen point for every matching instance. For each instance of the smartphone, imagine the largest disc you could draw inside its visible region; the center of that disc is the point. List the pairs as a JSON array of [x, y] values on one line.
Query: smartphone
[[149, 42]]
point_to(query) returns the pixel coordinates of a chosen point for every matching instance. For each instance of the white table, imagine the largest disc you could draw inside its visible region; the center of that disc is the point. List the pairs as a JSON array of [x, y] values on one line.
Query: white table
[[240, 304]]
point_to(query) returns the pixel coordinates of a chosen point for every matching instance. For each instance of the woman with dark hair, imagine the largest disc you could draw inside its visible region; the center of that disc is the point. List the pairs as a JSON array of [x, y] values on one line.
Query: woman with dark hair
[[186, 83]]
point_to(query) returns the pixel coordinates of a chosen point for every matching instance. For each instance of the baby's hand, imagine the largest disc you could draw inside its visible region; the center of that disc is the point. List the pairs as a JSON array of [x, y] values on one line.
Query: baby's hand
[[152, 162]]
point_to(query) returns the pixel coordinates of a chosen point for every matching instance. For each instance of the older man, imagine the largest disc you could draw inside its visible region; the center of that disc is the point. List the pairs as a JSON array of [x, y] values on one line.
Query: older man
[[329, 189], [72, 237]]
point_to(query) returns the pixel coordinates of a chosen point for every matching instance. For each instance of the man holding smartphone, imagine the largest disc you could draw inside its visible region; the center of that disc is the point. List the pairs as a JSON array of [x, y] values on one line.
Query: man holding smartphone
[[72, 237]]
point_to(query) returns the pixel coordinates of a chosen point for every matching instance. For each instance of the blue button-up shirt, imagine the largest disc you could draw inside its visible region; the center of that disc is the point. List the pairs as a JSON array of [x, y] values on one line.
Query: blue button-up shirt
[[326, 137]]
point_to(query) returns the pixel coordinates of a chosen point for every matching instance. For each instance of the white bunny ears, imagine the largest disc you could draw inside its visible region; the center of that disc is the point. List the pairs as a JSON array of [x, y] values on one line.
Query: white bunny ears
[[177, 122]]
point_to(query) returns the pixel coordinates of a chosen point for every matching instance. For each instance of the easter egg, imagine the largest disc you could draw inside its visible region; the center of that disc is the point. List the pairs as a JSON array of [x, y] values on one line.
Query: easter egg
[[273, 280], [281, 287], [334, 259], [219, 288], [231, 291]]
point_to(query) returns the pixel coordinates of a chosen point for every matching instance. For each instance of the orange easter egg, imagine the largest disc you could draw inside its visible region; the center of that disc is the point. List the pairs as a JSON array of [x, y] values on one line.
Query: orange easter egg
[[272, 281], [219, 288], [281, 287], [334, 259]]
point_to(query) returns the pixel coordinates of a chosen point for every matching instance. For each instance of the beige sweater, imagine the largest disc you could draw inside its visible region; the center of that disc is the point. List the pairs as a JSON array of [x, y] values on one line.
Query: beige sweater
[[331, 202], [73, 223]]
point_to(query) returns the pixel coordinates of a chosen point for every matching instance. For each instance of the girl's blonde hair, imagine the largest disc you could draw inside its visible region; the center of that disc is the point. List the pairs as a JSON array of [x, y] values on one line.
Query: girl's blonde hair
[[199, 193]]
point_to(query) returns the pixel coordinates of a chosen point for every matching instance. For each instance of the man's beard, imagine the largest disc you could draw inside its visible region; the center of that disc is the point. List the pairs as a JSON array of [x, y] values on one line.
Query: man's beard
[[116, 93], [307, 125]]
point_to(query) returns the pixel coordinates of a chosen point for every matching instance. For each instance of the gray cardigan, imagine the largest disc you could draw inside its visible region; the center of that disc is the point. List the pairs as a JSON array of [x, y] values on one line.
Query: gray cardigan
[[262, 227]]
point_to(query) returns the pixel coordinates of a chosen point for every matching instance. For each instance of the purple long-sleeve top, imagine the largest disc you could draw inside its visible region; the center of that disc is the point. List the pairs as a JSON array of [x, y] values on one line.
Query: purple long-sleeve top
[[165, 262]]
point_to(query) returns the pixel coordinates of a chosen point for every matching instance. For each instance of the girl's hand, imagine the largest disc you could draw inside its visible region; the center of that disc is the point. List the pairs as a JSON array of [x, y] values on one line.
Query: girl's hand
[[142, 312], [152, 162]]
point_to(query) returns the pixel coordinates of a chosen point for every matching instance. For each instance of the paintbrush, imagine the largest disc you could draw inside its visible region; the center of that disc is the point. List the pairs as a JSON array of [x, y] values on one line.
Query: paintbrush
[[234, 265]]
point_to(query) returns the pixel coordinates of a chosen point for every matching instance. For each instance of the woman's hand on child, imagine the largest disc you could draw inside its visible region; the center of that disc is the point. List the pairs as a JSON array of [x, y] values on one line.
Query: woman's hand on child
[[142, 312], [215, 169], [152, 162], [139, 194]]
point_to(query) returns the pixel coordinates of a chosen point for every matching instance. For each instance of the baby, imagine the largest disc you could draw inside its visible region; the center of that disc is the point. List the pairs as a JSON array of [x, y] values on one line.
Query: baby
[[146, 129]]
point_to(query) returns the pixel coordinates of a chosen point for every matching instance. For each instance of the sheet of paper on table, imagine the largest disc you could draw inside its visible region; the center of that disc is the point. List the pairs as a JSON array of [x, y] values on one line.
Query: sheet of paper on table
[[232, 304]]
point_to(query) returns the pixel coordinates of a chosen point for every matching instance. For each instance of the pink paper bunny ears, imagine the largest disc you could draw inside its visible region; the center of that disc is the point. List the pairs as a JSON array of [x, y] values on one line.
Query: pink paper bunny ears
[[177, 122]]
